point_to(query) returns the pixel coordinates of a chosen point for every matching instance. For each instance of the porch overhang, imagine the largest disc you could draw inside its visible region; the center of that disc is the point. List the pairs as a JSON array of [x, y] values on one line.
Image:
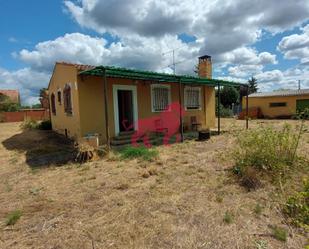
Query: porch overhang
[[116, 72]]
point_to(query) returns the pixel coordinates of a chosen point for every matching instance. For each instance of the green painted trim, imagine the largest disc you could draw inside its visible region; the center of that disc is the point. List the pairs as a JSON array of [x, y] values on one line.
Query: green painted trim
[[156, 77]]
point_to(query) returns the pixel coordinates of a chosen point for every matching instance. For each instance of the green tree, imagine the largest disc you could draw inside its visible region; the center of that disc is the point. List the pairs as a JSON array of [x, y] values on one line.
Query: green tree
[[44, 100], [6, 105], [229, 95], [253, 88]]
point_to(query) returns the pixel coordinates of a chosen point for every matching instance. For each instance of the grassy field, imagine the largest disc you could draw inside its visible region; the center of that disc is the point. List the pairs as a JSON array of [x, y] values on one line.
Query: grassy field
[[184, 198]]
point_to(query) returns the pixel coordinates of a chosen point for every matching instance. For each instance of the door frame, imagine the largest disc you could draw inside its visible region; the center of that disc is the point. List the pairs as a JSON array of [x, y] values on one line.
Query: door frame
[[116, 107]]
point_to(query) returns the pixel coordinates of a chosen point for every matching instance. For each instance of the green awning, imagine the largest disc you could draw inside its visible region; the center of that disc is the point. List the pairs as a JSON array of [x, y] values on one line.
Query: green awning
[[117, 72]]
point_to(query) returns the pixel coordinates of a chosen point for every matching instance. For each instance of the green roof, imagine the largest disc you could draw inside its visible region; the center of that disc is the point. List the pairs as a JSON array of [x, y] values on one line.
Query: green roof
[[117, 72]]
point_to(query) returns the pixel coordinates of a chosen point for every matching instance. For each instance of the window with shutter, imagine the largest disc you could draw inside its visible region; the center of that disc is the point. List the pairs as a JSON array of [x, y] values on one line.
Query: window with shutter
[[53, 103], [67, 101], [192, 98], [160, 97]]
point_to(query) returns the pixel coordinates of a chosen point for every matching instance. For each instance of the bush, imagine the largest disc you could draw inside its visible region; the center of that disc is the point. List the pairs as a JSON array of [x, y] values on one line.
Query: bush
[[138, 152], [45, 125], [297, 207], [224, 112], [267, 150], [29, 124]]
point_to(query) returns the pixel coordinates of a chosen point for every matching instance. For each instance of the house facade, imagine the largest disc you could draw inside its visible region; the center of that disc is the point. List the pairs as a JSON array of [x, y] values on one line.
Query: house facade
[[279, 104], [77, 99]]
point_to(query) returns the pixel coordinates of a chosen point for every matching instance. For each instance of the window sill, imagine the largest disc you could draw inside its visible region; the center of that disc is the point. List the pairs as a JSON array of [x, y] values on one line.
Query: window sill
[[192, 109], [154, 111]]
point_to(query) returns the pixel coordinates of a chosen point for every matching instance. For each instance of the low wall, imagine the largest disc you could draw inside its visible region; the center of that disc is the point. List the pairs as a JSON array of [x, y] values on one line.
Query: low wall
[[35, 114]]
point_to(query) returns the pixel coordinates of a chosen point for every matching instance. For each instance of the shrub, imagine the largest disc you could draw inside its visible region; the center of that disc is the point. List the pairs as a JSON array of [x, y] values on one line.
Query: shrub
[[45, 125], [224, 112], [138, 152], [13, 217], [297, 207], [267, 150], [29, 124]]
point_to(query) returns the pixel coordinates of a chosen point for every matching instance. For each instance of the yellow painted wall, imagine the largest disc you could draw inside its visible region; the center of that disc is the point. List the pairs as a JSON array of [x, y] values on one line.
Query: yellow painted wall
[[92, 111], [272, 112], [62, 75], [88, 103]]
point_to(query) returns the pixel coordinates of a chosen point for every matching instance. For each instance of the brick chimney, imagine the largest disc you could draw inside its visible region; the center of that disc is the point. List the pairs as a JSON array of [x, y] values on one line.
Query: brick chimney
[[205, 67]]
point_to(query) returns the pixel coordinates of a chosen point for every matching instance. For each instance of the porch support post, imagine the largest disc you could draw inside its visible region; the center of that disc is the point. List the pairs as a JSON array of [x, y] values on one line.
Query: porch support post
[[247, 107], [106, 110], [218, 109], [180, 111]]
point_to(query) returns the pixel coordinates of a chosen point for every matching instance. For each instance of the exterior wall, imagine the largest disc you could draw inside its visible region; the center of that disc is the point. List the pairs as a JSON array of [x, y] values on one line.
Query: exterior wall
[[92, 114], [62, 75], [272, 112], [35, 114]]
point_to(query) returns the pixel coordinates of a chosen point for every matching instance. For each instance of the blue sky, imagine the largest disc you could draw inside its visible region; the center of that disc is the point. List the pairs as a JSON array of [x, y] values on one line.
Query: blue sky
[[244, 38]]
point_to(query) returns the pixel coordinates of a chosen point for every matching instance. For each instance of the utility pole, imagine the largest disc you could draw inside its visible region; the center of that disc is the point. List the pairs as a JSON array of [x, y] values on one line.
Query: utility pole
[[298, 84]]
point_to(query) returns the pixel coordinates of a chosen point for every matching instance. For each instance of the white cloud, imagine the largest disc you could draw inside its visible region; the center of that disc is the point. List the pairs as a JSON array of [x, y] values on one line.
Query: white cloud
[[287, 79], [26, 80], [134, 51], [225, 29], [223, 25], [296, 46]]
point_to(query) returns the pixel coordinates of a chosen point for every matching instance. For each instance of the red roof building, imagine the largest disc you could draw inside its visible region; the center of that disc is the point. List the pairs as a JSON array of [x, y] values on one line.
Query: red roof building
[[12, 94]]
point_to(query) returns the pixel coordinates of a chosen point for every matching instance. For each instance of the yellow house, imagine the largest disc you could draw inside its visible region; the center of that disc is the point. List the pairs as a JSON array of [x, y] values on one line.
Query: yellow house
[[108, 102], [279, 104]]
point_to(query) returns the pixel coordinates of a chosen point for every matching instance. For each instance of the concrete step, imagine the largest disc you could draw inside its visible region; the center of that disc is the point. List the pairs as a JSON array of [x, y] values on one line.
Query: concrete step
[[128, 140], [153, 141]]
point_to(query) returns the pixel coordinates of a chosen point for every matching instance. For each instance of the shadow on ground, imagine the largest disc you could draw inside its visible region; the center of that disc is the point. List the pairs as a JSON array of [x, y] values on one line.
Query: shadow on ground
[[42, 148]]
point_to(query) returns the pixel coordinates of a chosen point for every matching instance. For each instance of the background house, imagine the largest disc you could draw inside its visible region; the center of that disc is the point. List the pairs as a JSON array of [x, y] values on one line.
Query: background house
[[13, 95], [279, 104]]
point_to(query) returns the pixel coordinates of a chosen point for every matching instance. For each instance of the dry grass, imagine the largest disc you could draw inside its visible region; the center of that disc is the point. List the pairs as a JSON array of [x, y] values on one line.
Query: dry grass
[[110, 204]]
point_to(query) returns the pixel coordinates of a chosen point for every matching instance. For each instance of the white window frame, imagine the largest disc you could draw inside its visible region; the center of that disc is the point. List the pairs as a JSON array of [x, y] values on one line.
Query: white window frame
[[199, 96], [152, 97]]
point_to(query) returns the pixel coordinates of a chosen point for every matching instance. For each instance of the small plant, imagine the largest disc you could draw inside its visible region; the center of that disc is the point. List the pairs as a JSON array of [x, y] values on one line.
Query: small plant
[[228, 217], [279, 233], [29, 124], [138, 152], [13, 217], [261, 244], [258, 209], [297, 207]]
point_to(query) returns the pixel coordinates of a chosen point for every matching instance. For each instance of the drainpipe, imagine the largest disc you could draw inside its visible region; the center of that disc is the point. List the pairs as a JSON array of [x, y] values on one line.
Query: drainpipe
[[106, 110]]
